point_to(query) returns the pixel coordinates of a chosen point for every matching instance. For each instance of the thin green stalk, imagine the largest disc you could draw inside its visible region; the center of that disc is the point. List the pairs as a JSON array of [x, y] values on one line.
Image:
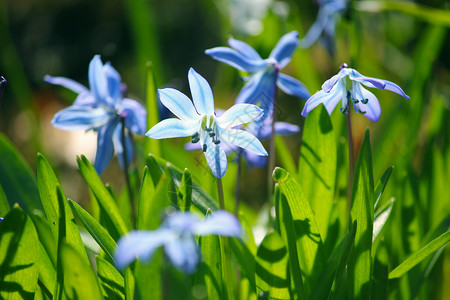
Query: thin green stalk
[[271, 163], [237, 191], [220, 193], [127, 175]]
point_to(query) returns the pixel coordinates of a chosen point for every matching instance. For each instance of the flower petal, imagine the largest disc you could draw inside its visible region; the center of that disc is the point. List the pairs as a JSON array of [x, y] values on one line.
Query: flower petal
[[242, 139], [172, 127], [284, 49], [135, 116], [81, 118], [178, 103], [183, 253], [245, 49], [85, 99], [236, 59], [114, 81], [372, 108], [330, 83], [105, 146], [97, 80], [330, 100], [219, 222], [201, 93], [281, 128], [292, 86], [118, 145], [216, 159], [67, 83], [254, 160], [140, 244], [238, 114]]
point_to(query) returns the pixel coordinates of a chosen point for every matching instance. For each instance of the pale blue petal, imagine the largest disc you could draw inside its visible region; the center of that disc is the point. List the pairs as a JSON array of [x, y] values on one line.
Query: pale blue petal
[[105, 146], [242, 139], [330, 83], [118, 146], [292, 86], [114, 81], [281, 128], [85, 99], [183, 253], [390, 86], [201, 93], [236, 59], [284, 49], [216, 159], [67, 83], [180, 222], [192, 147], [330, 100], [372, 108], [239, 114], [97, 80], [220, 223], [170, 128], [81, 118], [178, 103], [245, 49], [140, 244], [135, 116]]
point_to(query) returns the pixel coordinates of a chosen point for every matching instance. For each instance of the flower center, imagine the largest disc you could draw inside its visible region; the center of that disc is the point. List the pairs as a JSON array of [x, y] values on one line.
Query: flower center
[[208, 131]]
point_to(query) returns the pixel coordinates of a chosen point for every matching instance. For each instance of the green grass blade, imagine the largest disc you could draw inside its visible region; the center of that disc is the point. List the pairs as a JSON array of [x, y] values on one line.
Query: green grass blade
[[420, 255], [211, 266], [16, 178], [272, 275], [287, 232], [100, 235], [47, 182], [310, 248], [381, 217], [19, 256], [102, 194], [381, 185], [244, 258], [380, 273], [185, 191], [80, 281], [152, 146], [360, 262], [284, 155], [111, 281], [317, 165]]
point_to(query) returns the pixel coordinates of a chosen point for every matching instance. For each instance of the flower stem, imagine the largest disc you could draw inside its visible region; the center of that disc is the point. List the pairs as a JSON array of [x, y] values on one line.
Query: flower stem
[[220, 193], [271, 163], [238, 181], [351, 159], [127, 175]]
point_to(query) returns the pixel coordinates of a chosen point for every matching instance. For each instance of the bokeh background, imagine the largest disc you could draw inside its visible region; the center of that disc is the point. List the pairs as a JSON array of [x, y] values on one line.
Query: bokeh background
[[411, 49]]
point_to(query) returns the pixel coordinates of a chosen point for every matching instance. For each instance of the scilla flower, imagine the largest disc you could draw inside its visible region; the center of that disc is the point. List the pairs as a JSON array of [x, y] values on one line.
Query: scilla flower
[[102, 109], [177, 236], [199, 121], [261, 83], [346, 85]]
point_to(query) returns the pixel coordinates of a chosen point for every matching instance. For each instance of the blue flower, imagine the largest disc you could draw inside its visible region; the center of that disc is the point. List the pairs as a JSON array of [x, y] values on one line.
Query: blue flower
[[200, 122], [262, 131], [102, 109], [261, 83], [325, 24], [347, 85], [177, 236]]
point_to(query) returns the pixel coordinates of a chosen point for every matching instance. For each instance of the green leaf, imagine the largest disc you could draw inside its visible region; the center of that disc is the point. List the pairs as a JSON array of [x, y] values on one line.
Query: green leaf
[[19, 256], [211, 266], [152, 146], [102, 194], [317, 165], [360, 262], [420, 255], [422, 12], [16, 178], [185, 191], [310, 248], [380, 273], [381, 185], [381, 217], [284, 155], [111, 281], [272, 273], [156, 171], [244, 258], [4, 205], [80, 281], [287, 232], [48, 185], [100, 235], [335, 266]]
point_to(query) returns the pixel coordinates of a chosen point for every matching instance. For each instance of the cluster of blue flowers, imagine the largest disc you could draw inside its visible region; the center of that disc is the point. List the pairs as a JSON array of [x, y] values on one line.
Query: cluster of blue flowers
[[104, 109]]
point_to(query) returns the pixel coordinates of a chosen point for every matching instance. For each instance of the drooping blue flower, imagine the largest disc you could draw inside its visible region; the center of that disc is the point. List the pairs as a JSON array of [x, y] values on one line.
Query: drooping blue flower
[[262, 131], [200, 122], [347, 85], [324, 27], [260, 87], [176, 236], [102, 108]]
